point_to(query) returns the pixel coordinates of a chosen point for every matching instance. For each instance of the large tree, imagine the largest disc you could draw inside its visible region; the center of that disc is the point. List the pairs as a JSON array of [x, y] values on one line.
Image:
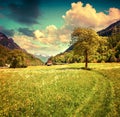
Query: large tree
[[85, 42]]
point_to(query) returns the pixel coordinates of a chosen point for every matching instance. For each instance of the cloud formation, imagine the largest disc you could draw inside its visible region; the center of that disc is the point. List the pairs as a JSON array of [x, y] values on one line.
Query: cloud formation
[[47, 36], [38, 34], [26, 31], [25, 11], [52, 35], [8, 32], [26, 42], [35, 46], [87, 16]]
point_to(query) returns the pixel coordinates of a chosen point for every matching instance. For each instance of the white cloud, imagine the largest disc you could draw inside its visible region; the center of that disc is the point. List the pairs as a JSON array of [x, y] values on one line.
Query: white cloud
[[51, 29], [86, 16], [64, 38], [52, 36], [26, 43], [42, 43], [38, 34]]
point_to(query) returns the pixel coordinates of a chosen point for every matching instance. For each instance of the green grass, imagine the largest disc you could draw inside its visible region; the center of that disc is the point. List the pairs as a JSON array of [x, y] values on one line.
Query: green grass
[[61, 91]]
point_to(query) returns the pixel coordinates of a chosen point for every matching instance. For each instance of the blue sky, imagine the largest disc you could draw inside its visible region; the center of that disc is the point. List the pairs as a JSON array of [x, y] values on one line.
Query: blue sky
[[44, 26]]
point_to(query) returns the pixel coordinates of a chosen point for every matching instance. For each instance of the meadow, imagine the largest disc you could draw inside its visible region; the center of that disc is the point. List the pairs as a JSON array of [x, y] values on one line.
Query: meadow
[[61, 91]]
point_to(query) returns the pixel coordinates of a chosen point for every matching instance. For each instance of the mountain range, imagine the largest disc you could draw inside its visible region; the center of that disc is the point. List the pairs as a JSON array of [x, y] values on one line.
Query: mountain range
[[9, 50]]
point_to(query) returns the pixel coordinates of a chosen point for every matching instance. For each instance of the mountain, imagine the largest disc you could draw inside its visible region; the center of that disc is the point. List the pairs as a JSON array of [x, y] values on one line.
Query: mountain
[[8, 42], [44, 58], [112, 29], [69, 49], [14, 55]]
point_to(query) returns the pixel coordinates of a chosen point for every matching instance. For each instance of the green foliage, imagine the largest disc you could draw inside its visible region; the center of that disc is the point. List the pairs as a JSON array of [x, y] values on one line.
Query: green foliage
[[2, 62], [117, 48], [68, 91], [17, 58], [85, 42], [113, 40], [85, 39], [114, 45], [4, 54], [67, 57]]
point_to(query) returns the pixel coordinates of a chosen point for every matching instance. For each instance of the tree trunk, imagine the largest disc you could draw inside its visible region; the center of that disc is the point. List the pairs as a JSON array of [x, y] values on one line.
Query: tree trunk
[[86, 59]]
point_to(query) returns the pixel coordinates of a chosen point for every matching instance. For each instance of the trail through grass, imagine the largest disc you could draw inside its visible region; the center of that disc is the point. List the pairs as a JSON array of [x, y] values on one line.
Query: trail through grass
[[61, 91]]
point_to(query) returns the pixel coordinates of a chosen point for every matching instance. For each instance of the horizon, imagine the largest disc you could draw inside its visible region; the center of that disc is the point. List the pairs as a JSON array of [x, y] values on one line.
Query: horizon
[[47, 28]]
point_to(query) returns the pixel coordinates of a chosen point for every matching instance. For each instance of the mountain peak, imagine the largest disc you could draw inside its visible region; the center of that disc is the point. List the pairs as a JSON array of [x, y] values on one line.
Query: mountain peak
[[8, 42]]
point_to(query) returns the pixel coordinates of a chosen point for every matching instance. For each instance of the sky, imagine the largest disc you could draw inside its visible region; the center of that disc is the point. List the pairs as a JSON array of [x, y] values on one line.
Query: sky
[[45, 26]]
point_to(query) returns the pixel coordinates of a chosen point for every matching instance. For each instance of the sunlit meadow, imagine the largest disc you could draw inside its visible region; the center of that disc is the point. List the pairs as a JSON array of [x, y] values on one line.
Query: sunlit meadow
[[61, 91]]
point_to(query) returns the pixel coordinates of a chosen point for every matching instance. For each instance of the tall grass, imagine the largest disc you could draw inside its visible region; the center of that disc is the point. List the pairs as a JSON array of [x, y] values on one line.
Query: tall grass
[[61, 91]]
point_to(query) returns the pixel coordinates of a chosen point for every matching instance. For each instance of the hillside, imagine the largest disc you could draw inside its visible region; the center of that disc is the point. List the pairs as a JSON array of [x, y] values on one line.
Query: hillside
[[11, 53], [112, 29], [8, 42], [23, 58], [110, 54]]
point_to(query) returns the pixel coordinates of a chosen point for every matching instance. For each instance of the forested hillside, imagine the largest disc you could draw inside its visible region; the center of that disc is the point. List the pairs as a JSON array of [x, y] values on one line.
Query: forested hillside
[[14, 56], [108, 50], [17, 58]]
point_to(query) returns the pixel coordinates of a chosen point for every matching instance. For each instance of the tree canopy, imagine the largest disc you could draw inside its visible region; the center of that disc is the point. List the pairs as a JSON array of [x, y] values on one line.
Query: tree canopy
[[85, 41]]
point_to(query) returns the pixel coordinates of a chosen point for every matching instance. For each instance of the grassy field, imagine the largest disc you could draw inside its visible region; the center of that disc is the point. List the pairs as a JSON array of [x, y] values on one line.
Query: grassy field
[[61, 91]]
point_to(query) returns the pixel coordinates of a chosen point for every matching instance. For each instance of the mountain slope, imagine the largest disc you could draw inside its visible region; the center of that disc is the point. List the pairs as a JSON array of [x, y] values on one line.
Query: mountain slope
[[112, 29], [8, 42], [11, 53], [69, 49]]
